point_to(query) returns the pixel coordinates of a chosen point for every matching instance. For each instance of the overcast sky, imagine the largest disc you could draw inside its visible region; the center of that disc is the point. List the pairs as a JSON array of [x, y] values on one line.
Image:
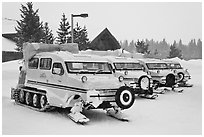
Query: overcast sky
[[125, 20]]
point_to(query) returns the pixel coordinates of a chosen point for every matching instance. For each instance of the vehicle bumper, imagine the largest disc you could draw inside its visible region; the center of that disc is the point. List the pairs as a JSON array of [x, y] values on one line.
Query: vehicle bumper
[[97, 97]]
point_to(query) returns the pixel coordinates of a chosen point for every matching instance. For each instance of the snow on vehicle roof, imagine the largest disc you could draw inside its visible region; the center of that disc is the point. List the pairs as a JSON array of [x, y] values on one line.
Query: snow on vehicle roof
[[67, 56], [121, 59], [147, 60], [171, 61]]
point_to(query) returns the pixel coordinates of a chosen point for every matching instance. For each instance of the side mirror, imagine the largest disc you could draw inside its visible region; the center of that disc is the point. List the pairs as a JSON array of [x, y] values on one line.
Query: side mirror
[[57, 71]]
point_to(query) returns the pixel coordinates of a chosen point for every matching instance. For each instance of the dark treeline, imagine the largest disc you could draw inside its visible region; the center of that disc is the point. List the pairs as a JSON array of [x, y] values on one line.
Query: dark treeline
[[162, 49]]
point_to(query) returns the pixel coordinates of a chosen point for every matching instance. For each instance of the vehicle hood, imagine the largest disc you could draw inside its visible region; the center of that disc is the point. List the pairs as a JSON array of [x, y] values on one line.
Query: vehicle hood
[[185, 72], [161, 73], [102, 82]]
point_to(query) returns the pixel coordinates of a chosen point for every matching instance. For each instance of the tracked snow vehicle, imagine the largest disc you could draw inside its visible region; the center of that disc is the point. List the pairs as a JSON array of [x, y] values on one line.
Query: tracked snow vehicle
[[183, 74], [131, 72], [51, 76], [160, 73]]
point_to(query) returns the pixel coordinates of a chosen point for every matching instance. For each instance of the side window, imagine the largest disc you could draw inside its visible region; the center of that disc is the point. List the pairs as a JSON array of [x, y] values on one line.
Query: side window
[[57, 69], [33, 63], [45, 63]]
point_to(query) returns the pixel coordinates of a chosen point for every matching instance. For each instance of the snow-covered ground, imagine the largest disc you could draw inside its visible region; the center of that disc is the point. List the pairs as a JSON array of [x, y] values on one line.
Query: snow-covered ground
[[171, 113]]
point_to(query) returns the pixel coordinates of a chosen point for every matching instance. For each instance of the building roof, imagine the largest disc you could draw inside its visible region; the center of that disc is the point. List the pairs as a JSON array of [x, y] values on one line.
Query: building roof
[[105, 41], [10, 36]]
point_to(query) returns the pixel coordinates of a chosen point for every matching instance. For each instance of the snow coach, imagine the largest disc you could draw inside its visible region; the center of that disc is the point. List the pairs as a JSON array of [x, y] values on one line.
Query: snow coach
[[131, 72], [183, 74], [160, 73], [51, 76]]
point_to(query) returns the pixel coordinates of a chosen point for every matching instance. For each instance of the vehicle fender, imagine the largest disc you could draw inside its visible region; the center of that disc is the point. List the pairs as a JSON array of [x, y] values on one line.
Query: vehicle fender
[[70, 101]]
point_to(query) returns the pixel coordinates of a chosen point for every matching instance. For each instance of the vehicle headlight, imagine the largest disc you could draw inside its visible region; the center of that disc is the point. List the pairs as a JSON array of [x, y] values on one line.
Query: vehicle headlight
[[126, 72], [83, 79], [121, 78], [174, 71], [158, 71]]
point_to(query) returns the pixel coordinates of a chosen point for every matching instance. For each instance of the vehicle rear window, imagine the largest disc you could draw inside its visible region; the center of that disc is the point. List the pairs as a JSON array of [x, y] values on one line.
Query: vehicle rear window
[[128, 66], [157, 65], [45, 63], [33, 63]]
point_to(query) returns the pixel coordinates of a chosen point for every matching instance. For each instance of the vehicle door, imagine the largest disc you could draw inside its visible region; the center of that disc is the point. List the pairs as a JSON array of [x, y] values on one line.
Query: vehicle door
[[58, 74]]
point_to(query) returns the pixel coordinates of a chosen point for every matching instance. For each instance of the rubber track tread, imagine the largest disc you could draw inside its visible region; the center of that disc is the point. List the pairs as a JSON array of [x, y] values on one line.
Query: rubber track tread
[[16, 94]]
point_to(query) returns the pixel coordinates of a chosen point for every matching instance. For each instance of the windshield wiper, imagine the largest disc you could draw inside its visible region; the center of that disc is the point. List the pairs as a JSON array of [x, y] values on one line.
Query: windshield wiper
[[81, 71], [98, 71]]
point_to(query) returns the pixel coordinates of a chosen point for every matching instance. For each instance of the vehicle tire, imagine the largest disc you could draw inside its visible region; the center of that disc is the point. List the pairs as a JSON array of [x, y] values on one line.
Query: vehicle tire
[[124, 97], [21, 96], [36, 101], [181, 76], [144, 83], [28, 98], [43, 101], [170, 80]]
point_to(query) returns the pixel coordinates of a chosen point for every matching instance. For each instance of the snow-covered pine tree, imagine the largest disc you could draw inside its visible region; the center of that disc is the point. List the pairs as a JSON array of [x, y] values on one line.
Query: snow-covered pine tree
[[63, 30], [48, 36], [29, 28], [174, 51]]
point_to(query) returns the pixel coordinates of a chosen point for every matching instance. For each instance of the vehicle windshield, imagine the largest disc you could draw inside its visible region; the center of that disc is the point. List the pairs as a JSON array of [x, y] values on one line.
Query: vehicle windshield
[[174, 66], [157, 66], [89, 67], [127, 66]]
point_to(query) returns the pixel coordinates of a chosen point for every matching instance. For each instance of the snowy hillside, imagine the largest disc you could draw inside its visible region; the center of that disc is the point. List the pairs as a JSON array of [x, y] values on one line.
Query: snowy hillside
[[171, 113]]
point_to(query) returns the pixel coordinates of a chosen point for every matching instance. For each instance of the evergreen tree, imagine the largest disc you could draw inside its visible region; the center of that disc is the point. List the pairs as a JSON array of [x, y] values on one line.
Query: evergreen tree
[[156, 52], [142, 47], [174, 51], [192, 49], [199, 45], [132, 47], [63, 30], [80, 37], [48, 36], [29, 28]]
